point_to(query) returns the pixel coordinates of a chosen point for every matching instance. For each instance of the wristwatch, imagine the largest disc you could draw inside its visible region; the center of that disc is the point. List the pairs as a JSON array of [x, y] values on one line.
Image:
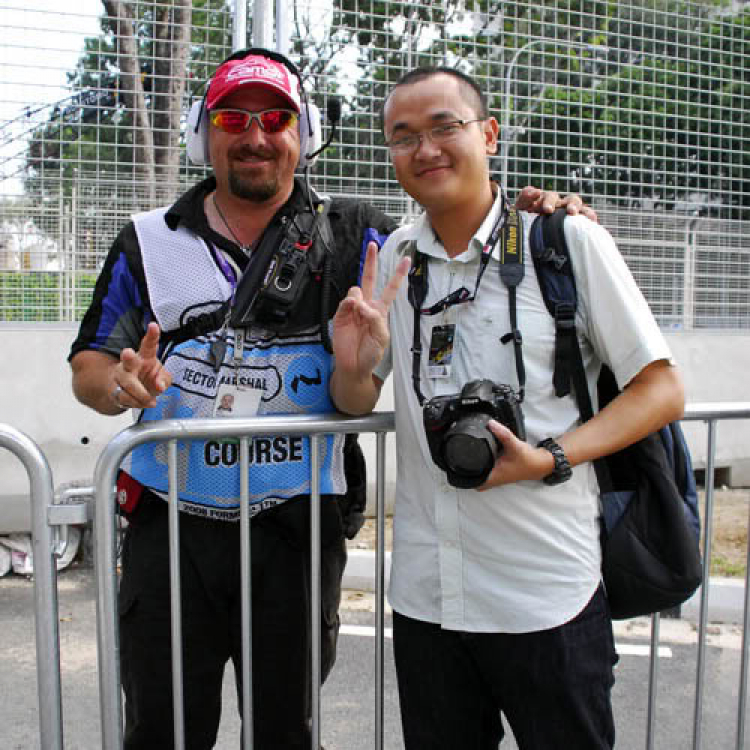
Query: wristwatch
[[562, 471]]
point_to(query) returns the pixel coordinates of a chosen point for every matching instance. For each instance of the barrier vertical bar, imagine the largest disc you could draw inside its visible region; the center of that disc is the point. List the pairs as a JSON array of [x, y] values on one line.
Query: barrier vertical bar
[[315, 605], [380, 591], [745, 654], [108, 645], [175, 597], [246, 578], [708, 532], [653, 678], [46, 623]]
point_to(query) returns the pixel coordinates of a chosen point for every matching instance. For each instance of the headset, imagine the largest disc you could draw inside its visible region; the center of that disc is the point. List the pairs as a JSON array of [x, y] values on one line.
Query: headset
[[310, 130]]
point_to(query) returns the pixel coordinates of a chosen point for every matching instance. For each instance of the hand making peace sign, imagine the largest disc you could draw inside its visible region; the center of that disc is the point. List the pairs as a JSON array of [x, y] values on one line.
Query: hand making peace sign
[[360, 327]]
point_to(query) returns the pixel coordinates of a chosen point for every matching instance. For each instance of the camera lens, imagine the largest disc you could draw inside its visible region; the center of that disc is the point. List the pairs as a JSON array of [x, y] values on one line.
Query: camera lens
[[470, 449]]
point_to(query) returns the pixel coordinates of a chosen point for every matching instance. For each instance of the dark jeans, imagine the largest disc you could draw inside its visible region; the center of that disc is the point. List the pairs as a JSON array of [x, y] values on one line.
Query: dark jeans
[[553, 686], [211, 622]]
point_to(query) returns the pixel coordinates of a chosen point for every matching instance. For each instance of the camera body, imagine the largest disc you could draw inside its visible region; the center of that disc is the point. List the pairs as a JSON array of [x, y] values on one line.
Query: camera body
[[456, 427]]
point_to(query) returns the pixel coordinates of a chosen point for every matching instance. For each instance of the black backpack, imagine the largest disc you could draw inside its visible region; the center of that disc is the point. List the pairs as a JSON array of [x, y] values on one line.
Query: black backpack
[[650, 533]]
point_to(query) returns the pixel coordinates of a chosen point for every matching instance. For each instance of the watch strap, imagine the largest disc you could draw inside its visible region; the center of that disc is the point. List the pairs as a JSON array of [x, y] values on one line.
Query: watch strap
[[562, 471]]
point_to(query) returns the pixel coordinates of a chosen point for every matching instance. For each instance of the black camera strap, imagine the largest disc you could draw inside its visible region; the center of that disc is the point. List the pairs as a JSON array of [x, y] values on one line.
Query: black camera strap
[[511, 269], [417, 291]]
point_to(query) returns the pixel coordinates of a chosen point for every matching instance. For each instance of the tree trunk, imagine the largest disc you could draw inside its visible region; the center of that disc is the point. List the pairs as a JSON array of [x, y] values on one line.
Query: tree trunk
[[132, 92], [172, 48]]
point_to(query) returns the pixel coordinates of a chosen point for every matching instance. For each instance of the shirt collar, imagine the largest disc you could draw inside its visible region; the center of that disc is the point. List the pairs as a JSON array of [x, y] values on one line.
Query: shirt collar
[[422, 233]]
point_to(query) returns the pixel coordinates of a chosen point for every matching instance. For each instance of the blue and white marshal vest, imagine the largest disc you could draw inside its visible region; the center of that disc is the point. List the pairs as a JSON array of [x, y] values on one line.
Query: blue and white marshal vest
[[293, 372]]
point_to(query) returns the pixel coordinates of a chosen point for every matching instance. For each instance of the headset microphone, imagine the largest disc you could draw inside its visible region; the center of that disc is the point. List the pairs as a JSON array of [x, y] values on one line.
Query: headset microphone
[[333, 110]]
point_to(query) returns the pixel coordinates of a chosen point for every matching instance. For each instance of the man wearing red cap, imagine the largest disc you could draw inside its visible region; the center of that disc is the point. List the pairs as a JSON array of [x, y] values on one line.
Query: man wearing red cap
[[173, 333], [258, 71]]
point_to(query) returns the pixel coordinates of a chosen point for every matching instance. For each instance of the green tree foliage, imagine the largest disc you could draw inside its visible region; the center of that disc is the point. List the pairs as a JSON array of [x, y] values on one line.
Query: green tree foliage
[[666, 126], [644, 103], [647, 104]]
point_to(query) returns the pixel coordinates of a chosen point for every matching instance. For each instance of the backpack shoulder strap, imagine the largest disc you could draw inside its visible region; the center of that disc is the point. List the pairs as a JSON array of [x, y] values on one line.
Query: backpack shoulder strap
[[554, 272]]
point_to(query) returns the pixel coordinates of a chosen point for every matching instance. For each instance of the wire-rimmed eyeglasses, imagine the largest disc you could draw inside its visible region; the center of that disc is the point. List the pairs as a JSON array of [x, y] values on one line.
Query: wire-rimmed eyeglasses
[[443, 133]]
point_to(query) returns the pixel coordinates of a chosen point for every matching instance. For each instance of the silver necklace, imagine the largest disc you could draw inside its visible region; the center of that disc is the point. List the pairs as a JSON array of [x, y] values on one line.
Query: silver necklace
[[247, 249]]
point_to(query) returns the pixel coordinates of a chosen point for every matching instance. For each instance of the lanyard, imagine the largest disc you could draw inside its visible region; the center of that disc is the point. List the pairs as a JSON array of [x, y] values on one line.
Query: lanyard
[[461, 295], [511, 269]]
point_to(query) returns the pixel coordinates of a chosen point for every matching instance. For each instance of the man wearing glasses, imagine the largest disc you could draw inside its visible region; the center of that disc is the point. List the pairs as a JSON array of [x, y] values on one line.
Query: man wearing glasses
[[495, 583], [160, 337]]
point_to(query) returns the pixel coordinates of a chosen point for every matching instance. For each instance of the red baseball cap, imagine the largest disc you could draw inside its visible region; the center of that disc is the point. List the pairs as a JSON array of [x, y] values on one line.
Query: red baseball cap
[[254, 70]]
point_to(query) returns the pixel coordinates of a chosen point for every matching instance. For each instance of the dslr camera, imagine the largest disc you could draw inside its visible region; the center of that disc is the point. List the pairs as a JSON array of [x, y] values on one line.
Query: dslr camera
[[460, 442]]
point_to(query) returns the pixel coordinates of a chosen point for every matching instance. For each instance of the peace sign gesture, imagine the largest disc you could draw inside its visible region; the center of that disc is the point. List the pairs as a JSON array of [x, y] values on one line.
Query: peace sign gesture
[[360, 330]]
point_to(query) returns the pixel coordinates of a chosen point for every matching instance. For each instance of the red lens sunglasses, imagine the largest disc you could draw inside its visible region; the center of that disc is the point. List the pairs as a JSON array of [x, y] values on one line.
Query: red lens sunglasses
[[235, 121]]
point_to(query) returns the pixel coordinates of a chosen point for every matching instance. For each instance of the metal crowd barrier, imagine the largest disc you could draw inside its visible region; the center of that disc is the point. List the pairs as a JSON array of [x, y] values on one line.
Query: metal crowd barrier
[[47, 517], [710, 413], [172, 432]]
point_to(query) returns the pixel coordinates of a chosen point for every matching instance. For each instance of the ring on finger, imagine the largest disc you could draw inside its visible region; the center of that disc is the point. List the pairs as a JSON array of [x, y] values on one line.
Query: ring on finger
[[116, 397]]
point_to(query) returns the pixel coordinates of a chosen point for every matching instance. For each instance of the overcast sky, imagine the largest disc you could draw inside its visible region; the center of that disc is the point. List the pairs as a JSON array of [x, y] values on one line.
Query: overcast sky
[[40, 40]]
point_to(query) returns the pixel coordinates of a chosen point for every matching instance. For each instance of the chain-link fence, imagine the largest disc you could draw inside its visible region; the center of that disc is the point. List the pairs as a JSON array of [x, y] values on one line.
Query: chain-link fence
[[642, 107]]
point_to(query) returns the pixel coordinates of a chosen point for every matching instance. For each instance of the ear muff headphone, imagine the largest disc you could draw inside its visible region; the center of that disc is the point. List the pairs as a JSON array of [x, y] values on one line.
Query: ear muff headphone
[[310, 131]]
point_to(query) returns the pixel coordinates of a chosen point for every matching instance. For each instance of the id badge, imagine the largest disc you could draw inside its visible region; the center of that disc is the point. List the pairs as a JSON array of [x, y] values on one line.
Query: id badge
[[234, 402], [442, 340]]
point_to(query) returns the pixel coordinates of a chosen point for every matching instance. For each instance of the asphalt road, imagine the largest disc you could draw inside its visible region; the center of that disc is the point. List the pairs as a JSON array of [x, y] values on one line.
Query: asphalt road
[[348, 701]]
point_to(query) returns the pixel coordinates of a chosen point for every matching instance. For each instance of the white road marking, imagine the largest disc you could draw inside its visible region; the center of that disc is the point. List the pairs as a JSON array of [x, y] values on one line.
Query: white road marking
[[624, 649], [364, 630]]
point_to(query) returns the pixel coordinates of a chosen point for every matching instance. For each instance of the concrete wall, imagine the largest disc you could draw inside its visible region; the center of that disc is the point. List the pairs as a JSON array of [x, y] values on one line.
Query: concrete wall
[[36, 399], [716, 368]]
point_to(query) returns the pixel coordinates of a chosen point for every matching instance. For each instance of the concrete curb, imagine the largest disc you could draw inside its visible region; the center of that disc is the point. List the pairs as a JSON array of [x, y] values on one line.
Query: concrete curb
[[359, 573], [726, 596]]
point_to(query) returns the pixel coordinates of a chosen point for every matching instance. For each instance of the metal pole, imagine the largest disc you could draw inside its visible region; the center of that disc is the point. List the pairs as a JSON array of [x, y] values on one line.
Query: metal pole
[[315, 604], [283, 27], [745, 653], [73, 275], [380, 592], [175, 594], [707, 534], [653, 678], [239, 25], [263, 23], [247, 597], [108, 646]]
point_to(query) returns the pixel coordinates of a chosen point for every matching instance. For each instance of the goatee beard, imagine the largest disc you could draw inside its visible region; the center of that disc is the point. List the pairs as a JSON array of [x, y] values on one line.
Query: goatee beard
[[257, 191]]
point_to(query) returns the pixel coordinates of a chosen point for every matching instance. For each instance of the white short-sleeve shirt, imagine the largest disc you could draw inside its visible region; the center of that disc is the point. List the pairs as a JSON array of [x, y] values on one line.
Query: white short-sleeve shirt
[[526, 556]]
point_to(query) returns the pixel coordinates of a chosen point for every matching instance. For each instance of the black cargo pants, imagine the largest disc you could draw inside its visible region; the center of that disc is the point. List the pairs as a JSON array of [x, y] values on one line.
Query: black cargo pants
[[211, 627]]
